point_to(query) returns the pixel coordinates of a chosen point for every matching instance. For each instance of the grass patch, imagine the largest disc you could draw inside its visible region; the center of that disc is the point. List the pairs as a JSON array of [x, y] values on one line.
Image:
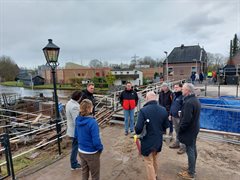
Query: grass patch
[[12, 83], [50, 86]]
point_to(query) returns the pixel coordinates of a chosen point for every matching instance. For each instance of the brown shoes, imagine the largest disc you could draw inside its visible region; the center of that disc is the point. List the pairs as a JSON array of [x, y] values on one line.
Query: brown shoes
[[186, 175], [181, 151], [174, 145]]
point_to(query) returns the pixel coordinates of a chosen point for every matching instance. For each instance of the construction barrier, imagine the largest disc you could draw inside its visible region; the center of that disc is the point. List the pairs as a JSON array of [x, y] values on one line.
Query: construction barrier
[[220, 114]]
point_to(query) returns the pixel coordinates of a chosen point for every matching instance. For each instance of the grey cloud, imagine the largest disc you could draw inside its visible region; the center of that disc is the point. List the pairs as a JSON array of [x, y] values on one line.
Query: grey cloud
[[199, 22], [109, 30]]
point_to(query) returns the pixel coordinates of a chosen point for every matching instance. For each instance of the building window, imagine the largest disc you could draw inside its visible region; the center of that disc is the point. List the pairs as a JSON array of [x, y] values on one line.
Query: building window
[[121, 72], [170, 71], [135, 72], [127, 72], [193, 69], [181, 72], [82, 74], [79, 74], [97, 74], [115, 72]]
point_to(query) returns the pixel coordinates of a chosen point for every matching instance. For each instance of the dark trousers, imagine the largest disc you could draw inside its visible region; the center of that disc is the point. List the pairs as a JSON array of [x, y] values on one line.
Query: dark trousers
[[171, 127], [191, 151], [74, 153], [90, 163]]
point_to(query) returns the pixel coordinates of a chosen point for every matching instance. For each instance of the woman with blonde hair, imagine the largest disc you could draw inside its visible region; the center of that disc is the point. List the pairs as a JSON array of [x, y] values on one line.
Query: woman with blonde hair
[[89, 142]]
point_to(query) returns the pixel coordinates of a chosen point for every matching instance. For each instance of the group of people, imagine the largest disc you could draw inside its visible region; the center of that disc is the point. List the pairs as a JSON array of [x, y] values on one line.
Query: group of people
[[183, 112], [180, 109], [197, 77], [83, 130]]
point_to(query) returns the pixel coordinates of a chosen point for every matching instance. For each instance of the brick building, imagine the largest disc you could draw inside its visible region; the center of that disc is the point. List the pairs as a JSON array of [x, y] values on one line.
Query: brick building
[[184, 60], [65, 75], [148, 73], [128, 75]]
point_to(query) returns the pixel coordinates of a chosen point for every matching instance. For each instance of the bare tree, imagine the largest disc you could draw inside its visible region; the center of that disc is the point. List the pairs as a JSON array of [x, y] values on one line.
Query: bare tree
[[95, 63], [216, 60], [105, 64], [8, 69]]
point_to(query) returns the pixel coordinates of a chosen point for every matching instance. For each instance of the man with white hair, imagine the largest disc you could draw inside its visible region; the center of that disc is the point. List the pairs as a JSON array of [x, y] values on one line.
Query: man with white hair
[[152, 119], [189, 128]]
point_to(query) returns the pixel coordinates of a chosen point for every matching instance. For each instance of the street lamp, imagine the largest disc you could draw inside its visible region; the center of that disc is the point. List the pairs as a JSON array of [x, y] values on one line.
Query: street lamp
[[51, 52], [166, 63]]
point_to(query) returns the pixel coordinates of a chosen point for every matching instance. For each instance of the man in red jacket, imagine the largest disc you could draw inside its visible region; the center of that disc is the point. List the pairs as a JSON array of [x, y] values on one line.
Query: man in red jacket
[[129, 100]]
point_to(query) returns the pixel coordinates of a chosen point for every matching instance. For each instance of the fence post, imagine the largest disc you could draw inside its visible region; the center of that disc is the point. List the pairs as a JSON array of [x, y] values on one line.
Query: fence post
[[114, 102], [218, 89], [9, 155], [237, 89], [205, 89]]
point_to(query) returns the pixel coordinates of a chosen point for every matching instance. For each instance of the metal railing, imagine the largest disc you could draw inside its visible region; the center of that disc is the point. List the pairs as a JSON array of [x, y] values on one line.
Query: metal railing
[[5, 143]]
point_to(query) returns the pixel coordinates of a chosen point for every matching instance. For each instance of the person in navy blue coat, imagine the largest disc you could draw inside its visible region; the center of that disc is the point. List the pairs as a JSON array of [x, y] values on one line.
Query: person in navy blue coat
[[176, 107], [155, 119]]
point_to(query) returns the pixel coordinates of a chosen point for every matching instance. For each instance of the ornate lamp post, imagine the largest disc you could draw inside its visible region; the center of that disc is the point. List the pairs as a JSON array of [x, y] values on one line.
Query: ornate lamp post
[[166, 63], [51, 52]]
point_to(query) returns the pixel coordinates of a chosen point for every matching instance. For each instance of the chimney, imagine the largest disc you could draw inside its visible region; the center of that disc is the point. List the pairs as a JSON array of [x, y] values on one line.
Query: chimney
[[182, 46]]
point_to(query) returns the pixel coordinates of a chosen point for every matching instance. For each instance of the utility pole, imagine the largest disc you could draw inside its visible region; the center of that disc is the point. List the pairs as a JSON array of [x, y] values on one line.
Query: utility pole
[[135, 58]]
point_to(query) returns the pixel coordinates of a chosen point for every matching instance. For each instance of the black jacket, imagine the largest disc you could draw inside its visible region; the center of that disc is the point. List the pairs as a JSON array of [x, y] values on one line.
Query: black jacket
[[87, 95], [165, 99], [158, 121], [176, 104], [189, 120]]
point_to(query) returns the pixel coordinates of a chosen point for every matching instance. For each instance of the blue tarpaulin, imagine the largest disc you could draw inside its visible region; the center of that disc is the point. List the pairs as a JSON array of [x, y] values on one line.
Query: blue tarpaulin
[[221, 114]]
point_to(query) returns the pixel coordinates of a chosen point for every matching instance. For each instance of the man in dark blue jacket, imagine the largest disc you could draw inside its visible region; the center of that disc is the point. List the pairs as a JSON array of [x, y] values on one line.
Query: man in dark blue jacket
[[155, 119], [174, 116], [189, 128]]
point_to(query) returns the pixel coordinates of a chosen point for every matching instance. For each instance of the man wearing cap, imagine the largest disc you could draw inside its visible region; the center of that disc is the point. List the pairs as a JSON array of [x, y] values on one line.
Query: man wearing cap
[[165, 99]]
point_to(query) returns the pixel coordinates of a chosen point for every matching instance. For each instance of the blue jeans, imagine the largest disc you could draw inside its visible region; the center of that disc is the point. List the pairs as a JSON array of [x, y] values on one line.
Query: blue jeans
[[74, 153], [191, 151], [129, 113]]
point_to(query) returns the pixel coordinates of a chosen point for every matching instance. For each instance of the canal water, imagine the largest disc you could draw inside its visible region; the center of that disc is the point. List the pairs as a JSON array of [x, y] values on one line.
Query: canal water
[[33, 92]]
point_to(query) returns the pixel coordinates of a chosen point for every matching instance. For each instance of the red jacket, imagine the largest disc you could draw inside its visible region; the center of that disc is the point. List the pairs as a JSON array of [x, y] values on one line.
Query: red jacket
[[128, 99]]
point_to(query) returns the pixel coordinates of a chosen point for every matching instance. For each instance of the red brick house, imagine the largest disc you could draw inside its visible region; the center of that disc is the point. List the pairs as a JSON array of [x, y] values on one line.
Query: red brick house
[[65, 75], [184, 60]]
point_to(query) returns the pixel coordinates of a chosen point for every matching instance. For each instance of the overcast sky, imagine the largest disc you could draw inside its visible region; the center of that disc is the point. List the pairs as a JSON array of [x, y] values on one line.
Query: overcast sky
[[114, 30]]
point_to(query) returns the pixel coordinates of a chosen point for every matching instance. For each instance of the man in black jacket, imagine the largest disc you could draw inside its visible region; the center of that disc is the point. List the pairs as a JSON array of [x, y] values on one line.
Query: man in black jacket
[[165, 99], [88, 94], [128, 99], [189, 128], [155, 118]]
